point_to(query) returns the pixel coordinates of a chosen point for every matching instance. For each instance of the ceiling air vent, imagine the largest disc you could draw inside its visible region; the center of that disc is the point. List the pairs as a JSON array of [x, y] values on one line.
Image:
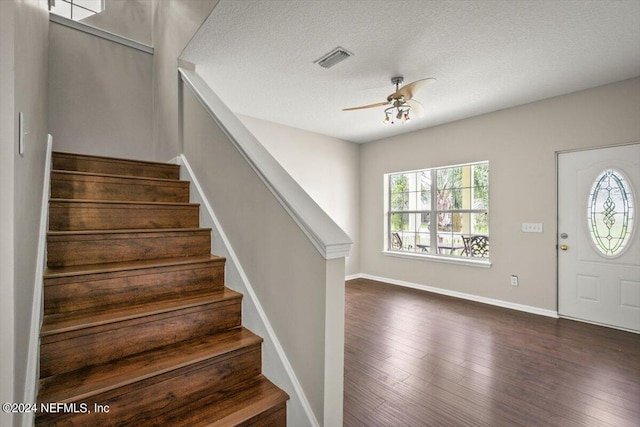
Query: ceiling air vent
[[332, 58]]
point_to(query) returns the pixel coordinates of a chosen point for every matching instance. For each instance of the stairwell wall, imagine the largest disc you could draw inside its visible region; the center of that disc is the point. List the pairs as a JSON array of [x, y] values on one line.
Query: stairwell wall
[[174, 24], [131, 19], [100, 96], [23, 88]]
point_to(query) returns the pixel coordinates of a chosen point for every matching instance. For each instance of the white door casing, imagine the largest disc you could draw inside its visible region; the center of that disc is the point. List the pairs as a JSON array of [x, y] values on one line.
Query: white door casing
[[599, 282]]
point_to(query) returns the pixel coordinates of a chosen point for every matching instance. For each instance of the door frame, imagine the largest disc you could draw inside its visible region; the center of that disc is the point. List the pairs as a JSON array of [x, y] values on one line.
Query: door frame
[[557, 186]]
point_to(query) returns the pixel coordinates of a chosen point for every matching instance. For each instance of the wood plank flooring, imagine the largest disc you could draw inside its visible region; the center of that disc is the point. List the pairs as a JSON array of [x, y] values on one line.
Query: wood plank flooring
[[414, 358]]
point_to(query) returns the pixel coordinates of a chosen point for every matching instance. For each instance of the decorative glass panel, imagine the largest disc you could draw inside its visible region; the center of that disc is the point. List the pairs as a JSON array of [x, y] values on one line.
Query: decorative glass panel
[[610, 212]]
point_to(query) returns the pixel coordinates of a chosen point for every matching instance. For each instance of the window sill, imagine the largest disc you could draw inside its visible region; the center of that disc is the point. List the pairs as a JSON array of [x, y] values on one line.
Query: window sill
[[482, 263]]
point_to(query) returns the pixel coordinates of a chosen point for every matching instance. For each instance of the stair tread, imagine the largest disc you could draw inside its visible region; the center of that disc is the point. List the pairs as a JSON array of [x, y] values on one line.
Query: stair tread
[[231, 406], [127, 231], [80, 270], [117, 159], [120, 177], [122, 202], [113, 165], [90, 381], [65, 322]]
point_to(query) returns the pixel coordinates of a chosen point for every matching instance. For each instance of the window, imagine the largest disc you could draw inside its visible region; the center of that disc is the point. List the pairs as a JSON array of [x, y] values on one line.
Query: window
[[441, 211], [76, 10]]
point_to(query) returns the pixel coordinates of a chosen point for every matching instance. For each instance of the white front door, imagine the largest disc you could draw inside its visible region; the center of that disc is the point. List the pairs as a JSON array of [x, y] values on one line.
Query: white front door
[[598, 240]]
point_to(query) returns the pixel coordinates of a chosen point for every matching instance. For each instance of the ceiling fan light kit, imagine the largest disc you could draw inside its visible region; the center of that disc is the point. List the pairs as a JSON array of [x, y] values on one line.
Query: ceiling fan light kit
[[401, 101]]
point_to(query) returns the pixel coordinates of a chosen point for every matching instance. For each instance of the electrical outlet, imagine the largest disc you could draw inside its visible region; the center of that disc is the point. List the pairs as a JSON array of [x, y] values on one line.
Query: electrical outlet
[[514, 280], [532, 227]]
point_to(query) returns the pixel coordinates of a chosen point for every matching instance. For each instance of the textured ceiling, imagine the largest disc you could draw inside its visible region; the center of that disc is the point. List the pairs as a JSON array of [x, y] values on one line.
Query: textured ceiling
[[258, 56]]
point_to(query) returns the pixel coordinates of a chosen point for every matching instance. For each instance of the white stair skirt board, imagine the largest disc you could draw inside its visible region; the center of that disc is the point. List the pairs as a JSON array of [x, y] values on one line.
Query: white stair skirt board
[[31, 381]]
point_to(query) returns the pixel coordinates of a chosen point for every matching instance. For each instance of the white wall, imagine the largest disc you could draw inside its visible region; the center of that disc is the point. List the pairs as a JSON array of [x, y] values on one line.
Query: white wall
[[520, 144], [327, 168], [23, 85], [127, 18], [174, 23], [100, 96]]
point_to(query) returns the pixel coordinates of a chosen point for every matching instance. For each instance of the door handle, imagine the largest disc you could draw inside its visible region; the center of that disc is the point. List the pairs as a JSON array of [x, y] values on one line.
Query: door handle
[[564, 247]]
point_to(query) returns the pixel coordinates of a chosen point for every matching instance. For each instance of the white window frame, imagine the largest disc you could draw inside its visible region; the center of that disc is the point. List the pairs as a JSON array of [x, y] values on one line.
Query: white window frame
[[440, 257], [73, 5]]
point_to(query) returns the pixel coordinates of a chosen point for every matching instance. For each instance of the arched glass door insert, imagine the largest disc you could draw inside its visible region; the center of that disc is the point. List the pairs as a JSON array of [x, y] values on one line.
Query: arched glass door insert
[[610, 212]]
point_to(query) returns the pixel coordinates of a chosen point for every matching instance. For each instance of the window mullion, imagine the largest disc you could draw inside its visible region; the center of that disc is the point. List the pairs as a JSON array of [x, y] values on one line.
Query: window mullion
[[433, 217]]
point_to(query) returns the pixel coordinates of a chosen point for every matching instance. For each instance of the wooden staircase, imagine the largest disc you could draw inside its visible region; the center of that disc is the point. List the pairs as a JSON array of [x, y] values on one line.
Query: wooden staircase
[[137, 320]]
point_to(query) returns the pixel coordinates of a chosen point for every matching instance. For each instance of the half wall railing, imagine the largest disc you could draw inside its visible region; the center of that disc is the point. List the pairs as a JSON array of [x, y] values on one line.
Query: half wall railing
[[289, 253]]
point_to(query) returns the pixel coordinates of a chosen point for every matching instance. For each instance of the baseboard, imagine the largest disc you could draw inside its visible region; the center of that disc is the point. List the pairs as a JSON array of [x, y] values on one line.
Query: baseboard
[[461, 295], [352, 276], [33, 357], [604, 325], [233, 268]]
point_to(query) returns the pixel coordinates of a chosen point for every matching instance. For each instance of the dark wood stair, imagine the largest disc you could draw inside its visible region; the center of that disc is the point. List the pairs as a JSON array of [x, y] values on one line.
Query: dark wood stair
[[77, 215], [69, 248], [137, 317], [95, 186]]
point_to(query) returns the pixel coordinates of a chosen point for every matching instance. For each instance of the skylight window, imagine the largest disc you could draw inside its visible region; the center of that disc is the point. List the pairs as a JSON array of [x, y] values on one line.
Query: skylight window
[[76, 10]]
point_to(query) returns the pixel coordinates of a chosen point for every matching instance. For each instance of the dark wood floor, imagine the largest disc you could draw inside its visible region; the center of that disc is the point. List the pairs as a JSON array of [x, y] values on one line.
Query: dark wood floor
[[414, 358]]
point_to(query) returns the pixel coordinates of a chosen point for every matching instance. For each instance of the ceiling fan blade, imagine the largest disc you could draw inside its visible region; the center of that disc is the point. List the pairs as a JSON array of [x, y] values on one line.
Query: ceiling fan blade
[[409, 90], [379, 104], [416, 108]]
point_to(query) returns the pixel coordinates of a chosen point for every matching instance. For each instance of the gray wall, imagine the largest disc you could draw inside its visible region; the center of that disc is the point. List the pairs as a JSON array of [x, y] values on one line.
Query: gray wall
[[327, 168], [7, 132], [520, 144], [127, 18], [301, 293], [23, 85], [174, 23], [100, 98], [108, 99]]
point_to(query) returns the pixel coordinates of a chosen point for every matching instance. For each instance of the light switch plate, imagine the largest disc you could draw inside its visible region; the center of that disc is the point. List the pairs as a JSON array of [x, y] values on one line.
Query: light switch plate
[[532, 227], [21, 132]]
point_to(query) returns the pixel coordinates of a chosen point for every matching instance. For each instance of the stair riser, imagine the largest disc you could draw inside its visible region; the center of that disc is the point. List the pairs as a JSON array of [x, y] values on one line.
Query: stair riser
[[277, 417], [68, 351], [143, 403], [73, 162], [84, 249], [66, 186], [235, 406], [75, 216], [68, 294]]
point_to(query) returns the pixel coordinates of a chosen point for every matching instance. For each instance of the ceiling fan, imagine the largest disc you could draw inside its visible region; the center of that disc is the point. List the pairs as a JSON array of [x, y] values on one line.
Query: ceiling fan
[[400, 102]]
